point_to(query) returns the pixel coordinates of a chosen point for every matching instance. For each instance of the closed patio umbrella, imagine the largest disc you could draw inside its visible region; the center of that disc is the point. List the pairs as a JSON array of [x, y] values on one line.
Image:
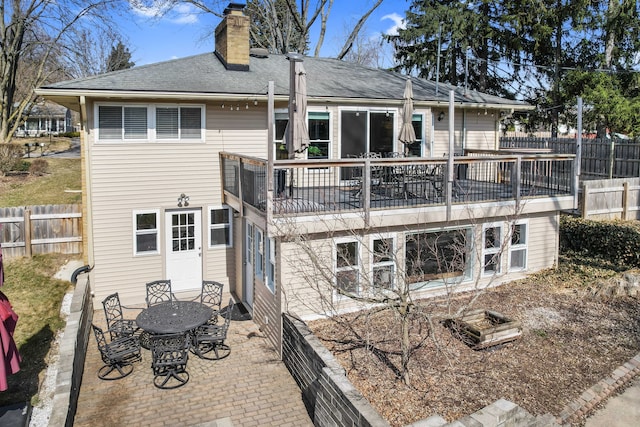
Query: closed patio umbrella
[[407, 133], [9, 357], [297, 134]]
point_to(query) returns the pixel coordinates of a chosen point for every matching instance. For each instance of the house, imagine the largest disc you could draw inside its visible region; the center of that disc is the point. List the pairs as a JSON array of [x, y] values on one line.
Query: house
[[183, 179], [46, 118]]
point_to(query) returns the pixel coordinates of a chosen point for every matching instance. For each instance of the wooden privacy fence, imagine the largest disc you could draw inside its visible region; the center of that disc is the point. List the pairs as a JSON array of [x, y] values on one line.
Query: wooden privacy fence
[[29, 230], [610, 199], [601, 158]]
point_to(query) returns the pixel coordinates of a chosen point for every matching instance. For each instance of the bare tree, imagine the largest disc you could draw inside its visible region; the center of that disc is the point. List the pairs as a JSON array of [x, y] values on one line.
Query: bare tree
[[303, 16], [367, 272], [35, 37]]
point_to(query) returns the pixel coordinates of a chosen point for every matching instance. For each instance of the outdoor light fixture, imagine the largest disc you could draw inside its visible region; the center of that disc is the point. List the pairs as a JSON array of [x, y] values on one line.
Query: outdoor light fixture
[[222, 105], [255, 102], [246, 107], [441, 116], [183, 200]]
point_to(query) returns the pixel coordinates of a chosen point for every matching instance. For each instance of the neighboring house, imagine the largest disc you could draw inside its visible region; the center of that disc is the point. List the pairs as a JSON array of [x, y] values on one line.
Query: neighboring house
[[46, 119], [176, 182]]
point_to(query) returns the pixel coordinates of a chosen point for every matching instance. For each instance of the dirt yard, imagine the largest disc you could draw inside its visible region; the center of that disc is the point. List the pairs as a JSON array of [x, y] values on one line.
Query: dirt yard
[[570, 340]]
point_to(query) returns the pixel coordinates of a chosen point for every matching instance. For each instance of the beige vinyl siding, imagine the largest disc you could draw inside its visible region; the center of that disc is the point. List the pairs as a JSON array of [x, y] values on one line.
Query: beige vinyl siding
[[303, 287], [126, 177], [479, 131]]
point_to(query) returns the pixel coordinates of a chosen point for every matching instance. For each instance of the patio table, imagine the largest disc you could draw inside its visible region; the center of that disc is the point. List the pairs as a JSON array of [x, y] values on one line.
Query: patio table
[[173, 317]]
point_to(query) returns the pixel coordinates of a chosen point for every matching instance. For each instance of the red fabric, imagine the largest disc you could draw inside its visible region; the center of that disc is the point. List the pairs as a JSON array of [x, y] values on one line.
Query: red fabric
[[9, 356]]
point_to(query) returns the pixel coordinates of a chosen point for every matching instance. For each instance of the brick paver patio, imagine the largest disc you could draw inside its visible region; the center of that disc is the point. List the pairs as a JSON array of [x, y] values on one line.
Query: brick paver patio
[[251, 387]]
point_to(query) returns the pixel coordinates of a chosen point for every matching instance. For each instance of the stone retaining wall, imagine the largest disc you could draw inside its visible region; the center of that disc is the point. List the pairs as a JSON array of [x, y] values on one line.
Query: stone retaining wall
[[330, 398], [73, 349]]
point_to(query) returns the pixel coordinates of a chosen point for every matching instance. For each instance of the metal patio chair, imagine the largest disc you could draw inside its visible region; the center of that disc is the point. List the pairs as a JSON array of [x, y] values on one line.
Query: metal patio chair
[[159, 291], [117, 325], [209, 338], [169, 356], [211, 296], [118, 355]]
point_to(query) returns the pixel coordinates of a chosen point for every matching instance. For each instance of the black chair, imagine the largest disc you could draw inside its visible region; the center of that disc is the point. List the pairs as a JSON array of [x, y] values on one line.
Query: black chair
[[159, 291], [209, 338], [117, 325], [169, 355], [211, 296], [117, 355]]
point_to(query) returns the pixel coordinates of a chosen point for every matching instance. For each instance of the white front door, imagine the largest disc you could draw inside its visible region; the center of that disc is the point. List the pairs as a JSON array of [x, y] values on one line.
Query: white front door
[[184, 249], [248, 264]]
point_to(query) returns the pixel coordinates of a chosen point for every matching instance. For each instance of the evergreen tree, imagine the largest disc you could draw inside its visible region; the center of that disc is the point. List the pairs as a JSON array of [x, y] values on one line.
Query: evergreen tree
[[119, 58]]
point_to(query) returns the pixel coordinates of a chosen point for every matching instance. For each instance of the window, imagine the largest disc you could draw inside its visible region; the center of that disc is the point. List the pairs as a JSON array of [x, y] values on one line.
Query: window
[[149, 122], [518, 247], [146, 232], [178, 123], [347, 267], [415, 148], [383, 264], [436, 255], [318, 135], [363, 131], [281, 120], [491, 249], [116, 122], [220, 226], [271, 265], [259, 253]]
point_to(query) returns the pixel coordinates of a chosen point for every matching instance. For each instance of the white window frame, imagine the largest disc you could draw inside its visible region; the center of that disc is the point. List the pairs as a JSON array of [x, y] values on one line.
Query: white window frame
[[328, 141], [390, 263], [151, 123], [519, 247], [122, 129], [270, 266], [259, 252], [422, 131], [493, 251], [466, 274], [357, 268], [137, 232], [228, 225]]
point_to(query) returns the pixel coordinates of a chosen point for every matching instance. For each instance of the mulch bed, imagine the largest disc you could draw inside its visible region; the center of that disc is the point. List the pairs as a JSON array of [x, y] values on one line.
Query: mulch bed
[[570, 341]]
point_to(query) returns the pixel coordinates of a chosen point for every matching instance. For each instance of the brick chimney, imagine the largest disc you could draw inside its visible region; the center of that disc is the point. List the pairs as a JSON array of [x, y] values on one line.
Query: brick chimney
[[232, 38]]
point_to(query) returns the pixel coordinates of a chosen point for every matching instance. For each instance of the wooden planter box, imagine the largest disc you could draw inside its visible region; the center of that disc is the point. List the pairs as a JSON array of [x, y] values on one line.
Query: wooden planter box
[[484, 328]]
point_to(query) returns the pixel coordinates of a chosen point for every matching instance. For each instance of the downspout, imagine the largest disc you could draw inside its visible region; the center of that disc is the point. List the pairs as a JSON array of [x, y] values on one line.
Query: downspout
[[80, 270], [85, 159]]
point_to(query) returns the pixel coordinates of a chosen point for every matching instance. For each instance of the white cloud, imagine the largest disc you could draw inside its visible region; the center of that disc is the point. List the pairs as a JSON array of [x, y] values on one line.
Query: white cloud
[[180, 14], [398, 23]]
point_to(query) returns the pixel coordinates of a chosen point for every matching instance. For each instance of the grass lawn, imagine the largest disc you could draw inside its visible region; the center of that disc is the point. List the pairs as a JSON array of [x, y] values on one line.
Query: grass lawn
[[59, 185], [36, 297]]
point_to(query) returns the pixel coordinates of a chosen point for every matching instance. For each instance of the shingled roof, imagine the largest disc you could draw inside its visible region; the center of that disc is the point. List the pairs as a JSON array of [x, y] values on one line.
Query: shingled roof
[[327, 79]]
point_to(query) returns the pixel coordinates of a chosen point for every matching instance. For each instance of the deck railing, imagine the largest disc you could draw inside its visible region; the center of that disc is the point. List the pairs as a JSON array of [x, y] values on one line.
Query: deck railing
[[363, 184]]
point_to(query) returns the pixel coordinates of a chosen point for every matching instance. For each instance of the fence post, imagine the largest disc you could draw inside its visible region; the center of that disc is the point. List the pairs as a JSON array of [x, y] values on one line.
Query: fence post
[[27, 233], [612, 157], [625, 200], [585, 198]]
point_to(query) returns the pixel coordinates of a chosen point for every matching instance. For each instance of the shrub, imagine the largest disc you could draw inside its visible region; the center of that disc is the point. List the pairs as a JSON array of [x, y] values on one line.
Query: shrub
[[10, 157], [39, 167], [614, 241], [70, 135]]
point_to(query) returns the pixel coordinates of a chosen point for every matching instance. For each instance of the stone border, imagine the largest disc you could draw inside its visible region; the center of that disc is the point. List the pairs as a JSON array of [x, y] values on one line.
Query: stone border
[[599, 392], [327, 393], [73, 350]]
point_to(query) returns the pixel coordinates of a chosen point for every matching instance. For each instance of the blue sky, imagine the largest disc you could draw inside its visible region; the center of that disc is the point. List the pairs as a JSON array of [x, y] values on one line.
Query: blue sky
[[184, 32]]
